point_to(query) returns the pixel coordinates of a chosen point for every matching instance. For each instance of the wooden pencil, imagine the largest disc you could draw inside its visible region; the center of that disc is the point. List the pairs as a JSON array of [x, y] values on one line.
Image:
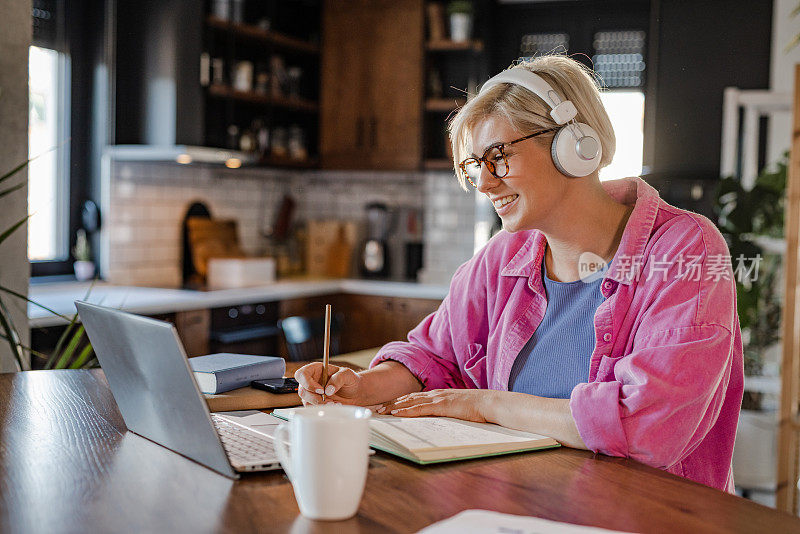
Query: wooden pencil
[[326, 354]]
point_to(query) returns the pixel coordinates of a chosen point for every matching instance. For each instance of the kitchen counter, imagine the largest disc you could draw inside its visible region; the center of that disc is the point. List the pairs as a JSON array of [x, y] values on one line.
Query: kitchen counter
[[150, 301]]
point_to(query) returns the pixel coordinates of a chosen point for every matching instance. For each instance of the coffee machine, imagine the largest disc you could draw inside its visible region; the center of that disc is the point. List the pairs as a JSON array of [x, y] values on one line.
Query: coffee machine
[[374, 255]]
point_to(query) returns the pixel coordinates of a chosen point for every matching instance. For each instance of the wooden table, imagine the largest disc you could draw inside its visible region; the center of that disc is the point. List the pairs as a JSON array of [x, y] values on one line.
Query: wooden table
[[69, 465]]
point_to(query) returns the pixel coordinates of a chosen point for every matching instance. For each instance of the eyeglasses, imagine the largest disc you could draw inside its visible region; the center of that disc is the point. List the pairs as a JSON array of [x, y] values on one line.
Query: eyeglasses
[[494, 157]]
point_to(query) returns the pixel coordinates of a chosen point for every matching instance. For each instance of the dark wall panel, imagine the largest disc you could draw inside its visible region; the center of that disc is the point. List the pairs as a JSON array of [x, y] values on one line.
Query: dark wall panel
[[580, 19], [703, 46], [697, 48]]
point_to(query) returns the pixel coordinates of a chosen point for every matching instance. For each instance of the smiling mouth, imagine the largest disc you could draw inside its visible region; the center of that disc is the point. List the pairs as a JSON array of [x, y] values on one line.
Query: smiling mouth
[[500, 202]]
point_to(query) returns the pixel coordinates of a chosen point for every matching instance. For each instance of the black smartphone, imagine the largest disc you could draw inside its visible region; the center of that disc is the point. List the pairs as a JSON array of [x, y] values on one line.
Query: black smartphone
[[276, 385]]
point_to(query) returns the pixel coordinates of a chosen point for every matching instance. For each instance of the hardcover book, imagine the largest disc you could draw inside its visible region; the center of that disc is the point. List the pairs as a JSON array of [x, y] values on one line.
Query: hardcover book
[[216, 373]]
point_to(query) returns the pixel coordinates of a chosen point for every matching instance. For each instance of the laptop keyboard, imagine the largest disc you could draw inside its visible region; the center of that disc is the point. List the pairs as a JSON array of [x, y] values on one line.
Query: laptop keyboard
[[243, 446]]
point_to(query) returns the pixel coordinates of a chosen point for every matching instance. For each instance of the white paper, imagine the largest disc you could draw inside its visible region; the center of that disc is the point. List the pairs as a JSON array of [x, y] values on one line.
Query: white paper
[[486, 522]]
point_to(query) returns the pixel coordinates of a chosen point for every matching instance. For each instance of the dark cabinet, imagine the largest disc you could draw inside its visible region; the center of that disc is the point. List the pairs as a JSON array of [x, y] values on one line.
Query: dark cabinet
[[367, 320], [261, 80], [371, 96], [181, 76], [372, 321]]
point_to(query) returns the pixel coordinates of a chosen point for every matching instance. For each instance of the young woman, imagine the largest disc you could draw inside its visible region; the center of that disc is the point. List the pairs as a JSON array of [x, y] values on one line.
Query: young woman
[[642, 359]]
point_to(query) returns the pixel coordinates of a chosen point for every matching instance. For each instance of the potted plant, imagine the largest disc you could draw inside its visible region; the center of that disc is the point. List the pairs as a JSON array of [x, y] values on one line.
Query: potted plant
[[72, 350], [84, 267], [460, 12], [752, 222]]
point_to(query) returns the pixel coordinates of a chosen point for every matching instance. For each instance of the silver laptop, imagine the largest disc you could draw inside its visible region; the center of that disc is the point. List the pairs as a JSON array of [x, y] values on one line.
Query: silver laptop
[[150, 378]]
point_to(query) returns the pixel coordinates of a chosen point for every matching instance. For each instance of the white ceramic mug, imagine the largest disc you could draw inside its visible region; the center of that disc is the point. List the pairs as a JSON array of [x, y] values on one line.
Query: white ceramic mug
[[327, 458]]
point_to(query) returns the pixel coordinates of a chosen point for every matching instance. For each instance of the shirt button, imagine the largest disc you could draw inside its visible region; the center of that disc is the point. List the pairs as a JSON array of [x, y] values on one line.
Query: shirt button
[[606, 337], [608, 284]]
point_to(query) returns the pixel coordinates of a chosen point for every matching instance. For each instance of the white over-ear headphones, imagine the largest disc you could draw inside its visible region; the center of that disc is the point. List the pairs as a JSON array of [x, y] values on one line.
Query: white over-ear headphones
[[576, 150]]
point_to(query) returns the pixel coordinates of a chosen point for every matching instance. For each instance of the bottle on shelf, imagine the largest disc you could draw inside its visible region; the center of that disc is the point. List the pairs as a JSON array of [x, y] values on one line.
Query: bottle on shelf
[[217, 71], [277, 75], [233, 137], [243, 76], [278, 148], [262, 79], [297, 143]]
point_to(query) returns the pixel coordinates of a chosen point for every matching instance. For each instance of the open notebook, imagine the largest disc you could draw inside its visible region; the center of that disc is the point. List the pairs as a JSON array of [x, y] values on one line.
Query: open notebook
[[426, 440]]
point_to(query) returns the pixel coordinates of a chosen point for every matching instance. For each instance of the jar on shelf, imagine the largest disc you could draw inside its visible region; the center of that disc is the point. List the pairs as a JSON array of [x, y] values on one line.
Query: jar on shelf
[[293, 77], [218, 71], [221, 8], [262, 79], [261, 133], [277, 75], [264, 24], [243, 76], [278, 147], [233, 137], [237, 14], [247, 142], [297, 143]]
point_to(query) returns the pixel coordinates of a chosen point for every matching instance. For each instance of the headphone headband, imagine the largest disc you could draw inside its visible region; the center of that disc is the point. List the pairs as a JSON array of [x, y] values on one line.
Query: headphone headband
[[562, 111], [575, 149]]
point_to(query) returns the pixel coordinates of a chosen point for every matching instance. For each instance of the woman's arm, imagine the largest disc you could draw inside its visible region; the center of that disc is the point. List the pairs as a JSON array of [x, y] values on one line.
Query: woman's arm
[[385, 381], [538, 415], [388, 380]]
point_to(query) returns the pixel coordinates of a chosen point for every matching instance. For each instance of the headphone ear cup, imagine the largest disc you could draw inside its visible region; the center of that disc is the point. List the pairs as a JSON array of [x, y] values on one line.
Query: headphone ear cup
[[565, 150]]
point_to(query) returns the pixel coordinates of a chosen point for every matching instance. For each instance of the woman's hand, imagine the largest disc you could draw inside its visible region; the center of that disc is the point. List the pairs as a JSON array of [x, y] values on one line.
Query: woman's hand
[[467, 404], [344, 385]]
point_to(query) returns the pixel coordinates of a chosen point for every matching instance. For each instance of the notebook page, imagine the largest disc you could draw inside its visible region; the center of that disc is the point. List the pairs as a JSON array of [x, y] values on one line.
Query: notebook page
[[418, 433]]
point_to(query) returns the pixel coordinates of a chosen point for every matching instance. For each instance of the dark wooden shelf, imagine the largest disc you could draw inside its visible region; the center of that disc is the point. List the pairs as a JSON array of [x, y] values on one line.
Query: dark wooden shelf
[[438, 164], [249, 31], [296, 103], [444, 104], [454, 46]]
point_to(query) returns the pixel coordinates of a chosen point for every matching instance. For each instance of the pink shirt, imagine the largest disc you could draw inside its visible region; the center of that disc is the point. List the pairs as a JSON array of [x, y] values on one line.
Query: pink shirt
[[665, 380]]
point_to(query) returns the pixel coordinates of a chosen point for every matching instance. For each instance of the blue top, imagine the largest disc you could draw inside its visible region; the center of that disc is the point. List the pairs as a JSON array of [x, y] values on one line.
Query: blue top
[[556, 357]]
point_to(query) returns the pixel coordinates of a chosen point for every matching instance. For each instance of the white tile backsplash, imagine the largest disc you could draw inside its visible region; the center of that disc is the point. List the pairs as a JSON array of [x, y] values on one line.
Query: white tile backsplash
[[146, 203], [449, 227]]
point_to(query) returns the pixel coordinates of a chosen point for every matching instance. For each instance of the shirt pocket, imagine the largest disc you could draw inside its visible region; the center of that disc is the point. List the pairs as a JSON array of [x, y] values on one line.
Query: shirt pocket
[[475, 366], [605, 372]]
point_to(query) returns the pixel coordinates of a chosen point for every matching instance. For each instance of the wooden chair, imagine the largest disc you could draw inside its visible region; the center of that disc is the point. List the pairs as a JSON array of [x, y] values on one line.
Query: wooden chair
[[305, 337]]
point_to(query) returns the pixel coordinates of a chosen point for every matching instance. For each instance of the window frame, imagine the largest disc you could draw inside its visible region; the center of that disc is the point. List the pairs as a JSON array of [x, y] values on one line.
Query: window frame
[[73, 154]]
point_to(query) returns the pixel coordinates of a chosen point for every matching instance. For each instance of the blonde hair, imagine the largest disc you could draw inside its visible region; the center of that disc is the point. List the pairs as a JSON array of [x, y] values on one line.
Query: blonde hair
[[528, 113]]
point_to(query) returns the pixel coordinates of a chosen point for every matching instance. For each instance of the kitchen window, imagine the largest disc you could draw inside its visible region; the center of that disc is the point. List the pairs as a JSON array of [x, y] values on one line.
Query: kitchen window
[[59, 72], [619, 61], [611, 37], [625, 108], [48, 180]]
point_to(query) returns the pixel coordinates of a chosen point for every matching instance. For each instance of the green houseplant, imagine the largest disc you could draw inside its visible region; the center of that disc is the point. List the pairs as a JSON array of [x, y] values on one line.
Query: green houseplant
[[460, 12], [752, 223], [72, 350], [84, 266]]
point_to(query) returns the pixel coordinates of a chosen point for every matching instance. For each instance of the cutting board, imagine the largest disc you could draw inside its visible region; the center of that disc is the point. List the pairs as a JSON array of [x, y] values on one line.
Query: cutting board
[[212, 238], [330, 247]]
